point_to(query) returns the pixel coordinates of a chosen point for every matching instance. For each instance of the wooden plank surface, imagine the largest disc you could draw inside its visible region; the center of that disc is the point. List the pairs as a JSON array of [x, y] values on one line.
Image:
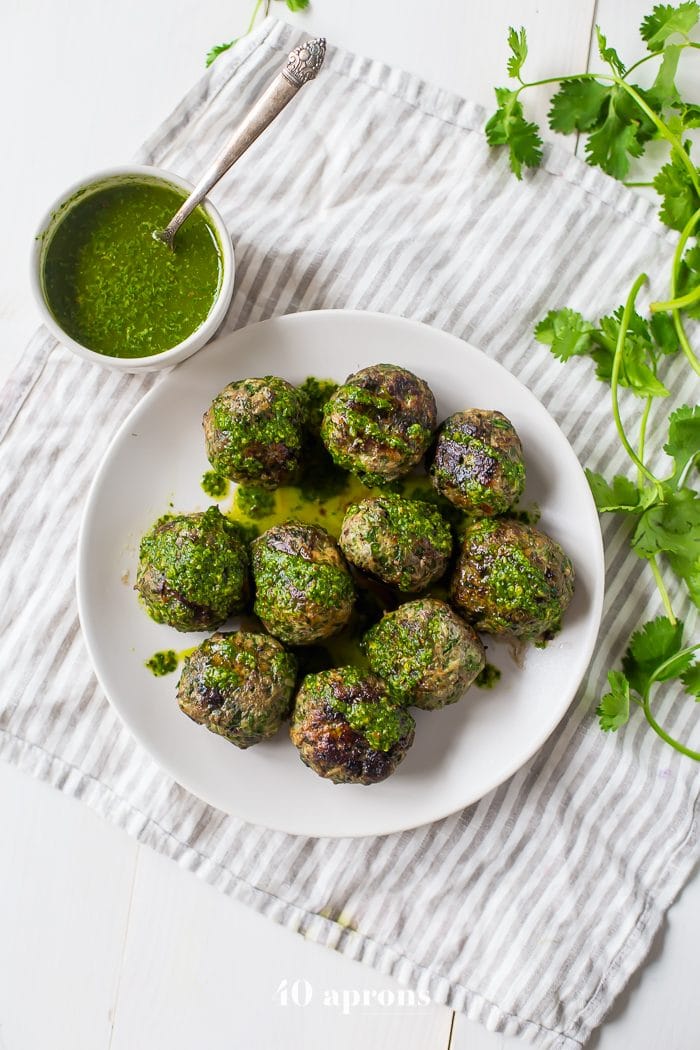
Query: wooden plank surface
[[199, 968], [66, 879]]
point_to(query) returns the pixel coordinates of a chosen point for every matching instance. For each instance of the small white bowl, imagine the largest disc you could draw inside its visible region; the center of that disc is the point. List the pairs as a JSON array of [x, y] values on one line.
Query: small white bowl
[[152, 362]]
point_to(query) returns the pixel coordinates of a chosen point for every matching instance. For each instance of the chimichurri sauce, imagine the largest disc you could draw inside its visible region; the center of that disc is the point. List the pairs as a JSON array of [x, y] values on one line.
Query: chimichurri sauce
[[115, 289]]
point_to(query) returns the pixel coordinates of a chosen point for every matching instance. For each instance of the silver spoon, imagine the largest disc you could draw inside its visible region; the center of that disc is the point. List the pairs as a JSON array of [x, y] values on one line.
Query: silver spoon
[[302, 65]]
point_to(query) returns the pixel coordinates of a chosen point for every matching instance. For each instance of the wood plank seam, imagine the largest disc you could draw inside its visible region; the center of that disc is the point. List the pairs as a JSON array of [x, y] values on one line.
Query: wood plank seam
[[122, 955]]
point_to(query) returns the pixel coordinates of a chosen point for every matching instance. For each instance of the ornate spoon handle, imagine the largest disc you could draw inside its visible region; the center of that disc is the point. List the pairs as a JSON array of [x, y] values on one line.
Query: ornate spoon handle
[[302, 65]]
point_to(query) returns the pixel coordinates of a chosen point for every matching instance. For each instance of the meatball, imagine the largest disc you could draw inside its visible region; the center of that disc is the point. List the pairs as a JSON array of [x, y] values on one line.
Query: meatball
[[478, 463], [347, 727], [511, 578], [379, 424], [404, 542], [303, 589], [239, 685], [193, 570], [425, 653], [254, 431]]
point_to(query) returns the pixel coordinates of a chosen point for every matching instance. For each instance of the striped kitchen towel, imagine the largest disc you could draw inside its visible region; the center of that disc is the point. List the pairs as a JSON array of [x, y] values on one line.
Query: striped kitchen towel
[[531, 909]]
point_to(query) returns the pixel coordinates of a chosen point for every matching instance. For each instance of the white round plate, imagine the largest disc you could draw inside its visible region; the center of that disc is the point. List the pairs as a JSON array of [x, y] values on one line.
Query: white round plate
[[155, 463]]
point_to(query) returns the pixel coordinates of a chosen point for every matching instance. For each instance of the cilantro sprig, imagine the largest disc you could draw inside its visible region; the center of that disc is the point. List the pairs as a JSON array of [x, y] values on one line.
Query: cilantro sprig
[[264, 5], [618, 116], [655, 654], [630, 352]]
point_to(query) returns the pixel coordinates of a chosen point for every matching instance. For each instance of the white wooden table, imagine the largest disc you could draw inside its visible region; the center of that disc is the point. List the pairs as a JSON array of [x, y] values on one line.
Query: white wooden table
[[104, 944]]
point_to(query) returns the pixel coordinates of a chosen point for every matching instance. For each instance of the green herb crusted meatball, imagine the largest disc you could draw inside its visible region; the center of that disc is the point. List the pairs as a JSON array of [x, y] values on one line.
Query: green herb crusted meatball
[[254, 431], [425, 653], [347, 727], [379, 423], [193, 570], [239, 685], [477, 462], [404, 542], [511, 578], [303, 589]]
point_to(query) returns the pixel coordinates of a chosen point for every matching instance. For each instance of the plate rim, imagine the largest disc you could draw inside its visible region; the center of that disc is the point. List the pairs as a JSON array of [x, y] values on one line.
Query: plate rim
[[302, 317]]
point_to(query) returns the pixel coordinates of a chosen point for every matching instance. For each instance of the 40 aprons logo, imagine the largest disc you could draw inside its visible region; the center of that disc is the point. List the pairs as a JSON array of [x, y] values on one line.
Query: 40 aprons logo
[[300, 993]]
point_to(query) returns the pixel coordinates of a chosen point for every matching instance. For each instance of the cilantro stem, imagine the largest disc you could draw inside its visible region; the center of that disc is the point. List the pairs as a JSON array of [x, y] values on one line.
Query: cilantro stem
[[685, 343], [563, 79], [646, 704], [656, 572], [677, 304], [253, 17], [658, 54], [614, 381], [675, 272], [638, 184], [642, 436]]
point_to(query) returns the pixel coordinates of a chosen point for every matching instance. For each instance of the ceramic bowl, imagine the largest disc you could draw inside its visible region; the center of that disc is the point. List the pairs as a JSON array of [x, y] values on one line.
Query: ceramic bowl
[[165, 358]]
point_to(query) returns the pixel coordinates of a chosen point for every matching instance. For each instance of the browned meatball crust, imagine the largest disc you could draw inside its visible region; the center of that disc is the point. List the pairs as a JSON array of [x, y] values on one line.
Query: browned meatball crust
[[477, 462], [238, 684], [303, 589], [425, 653], [347, 727], [379, 423], [254, 431], [511, 578], [403, 542]]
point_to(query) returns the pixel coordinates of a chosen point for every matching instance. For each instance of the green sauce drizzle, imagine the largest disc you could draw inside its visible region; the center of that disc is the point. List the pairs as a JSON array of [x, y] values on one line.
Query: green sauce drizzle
[[315, 393], [167, 661], [254, 502], [215, 485], [382, 725], [488, 677], [162, 663]]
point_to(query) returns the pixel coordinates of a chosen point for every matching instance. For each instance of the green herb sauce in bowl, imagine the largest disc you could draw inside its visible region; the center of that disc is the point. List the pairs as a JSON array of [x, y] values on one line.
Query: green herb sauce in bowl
[[112, 292]]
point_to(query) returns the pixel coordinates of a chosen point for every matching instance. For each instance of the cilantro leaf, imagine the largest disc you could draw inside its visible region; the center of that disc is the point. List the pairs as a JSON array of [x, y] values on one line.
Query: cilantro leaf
[[664, 333], [614, 708], [638, 357], [517, 42], [577, 105], [623, 495], [689, 115], [636, 374], [663, 92], [612, 144], [687, 568], [665, 20], [298, 5], [649, 648], [609, 54], [508, 127], [689, 279], [680, 198], [218, 49], [566, 332], [683, 445], [672, 525], [628, 110], [691, 680]]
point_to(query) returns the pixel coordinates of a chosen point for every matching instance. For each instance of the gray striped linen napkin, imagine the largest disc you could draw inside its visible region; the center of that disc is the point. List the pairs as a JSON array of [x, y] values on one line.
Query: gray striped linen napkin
[[530, 910]]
